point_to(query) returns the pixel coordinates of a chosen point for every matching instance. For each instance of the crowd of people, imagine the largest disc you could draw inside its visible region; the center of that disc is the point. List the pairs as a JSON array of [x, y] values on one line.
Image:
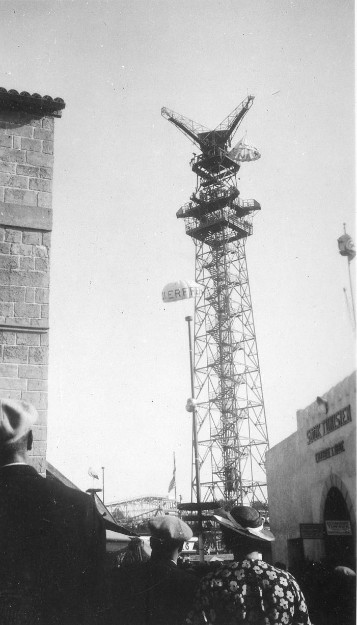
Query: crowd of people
[[53, 568]]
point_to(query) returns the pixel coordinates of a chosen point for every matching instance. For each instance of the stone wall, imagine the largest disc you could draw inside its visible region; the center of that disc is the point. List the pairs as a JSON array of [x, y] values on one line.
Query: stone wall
[[26, 171]]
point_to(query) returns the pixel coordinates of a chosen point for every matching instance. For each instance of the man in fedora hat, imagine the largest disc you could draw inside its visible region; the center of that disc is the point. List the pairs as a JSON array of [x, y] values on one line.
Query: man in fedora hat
[[247, 590], [156, 592], [52, 540]]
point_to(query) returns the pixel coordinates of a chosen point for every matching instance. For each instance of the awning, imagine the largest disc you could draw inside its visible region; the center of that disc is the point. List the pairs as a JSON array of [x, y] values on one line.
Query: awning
[[115, 541]]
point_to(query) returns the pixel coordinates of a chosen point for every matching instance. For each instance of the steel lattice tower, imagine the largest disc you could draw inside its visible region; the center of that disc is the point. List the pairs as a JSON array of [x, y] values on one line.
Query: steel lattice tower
[[231, 424]]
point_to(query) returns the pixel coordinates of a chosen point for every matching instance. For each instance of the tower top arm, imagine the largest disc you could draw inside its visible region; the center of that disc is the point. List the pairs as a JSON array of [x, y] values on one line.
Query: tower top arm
[[187, 126], [230, 124], [202, 136]]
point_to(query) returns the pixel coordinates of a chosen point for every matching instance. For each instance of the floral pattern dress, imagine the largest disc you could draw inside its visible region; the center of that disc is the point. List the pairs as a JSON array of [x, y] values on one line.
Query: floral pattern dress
[[251, 591]]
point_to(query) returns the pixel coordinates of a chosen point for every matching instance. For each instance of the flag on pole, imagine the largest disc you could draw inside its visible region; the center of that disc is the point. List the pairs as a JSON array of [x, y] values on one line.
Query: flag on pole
[[346, 246], [172, 484], [93, 474]]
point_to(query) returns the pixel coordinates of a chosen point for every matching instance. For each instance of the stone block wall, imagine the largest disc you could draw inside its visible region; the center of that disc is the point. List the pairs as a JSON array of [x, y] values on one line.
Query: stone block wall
[[26, 170]]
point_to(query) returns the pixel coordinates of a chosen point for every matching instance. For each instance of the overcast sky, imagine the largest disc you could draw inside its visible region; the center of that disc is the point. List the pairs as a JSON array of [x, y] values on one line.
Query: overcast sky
[[119, 367]]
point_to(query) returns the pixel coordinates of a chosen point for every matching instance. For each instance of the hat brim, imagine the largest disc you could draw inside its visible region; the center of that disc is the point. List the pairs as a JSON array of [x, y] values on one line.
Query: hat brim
[[257, 533]]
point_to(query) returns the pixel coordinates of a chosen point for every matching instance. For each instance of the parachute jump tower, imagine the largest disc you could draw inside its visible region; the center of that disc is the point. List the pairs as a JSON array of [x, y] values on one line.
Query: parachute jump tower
[[232, 432]]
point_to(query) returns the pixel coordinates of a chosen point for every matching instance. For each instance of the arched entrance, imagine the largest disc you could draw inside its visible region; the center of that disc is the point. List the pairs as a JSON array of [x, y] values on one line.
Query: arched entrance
[[339, 549]]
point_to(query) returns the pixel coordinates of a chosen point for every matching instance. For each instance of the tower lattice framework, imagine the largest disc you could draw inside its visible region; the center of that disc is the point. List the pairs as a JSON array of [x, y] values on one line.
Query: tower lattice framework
[[231, 424]]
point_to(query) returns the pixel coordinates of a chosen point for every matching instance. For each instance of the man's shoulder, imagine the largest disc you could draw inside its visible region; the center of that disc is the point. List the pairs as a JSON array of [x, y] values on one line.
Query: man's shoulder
[[21, 472], [20, 477], [167, 570], [186, 580], [187, 575]]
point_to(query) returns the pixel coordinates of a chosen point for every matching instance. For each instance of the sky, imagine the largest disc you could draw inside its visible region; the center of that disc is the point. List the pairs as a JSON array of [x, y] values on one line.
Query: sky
[[119, 362]]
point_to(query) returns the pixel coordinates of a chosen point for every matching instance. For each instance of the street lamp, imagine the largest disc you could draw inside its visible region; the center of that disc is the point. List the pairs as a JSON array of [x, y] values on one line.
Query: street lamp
[[173, 292], [192, 408]]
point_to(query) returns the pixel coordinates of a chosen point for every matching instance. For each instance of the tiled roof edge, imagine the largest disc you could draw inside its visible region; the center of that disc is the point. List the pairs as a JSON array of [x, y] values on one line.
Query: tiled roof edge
[[35, 103]]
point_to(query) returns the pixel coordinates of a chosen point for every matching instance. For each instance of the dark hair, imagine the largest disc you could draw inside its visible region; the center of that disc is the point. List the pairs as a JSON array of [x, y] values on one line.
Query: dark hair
[[9, 450], [164, 548], [239, 544], [280, 565]]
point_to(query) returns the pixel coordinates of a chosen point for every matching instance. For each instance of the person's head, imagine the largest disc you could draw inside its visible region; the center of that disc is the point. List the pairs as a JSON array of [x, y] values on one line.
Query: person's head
[[243, 530], [240, 545], [168, 535], [17, 418]]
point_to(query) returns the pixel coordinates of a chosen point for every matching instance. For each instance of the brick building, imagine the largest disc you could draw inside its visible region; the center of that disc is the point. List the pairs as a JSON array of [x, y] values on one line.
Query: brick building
[[26, 171]]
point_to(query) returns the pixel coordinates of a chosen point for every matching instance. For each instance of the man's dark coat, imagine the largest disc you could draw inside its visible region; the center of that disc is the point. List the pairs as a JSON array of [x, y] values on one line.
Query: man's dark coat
[[155, 592], [52, 549]]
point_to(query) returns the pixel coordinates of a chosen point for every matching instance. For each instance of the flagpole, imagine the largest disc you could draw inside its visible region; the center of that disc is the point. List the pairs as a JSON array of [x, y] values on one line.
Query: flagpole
[[103, 483], [175, 478], [350, 280], [346, 248], [352, 294], [348, 306]]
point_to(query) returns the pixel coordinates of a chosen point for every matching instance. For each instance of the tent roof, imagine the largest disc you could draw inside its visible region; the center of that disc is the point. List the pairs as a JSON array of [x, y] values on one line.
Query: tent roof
[[54, 474], [117, 536]]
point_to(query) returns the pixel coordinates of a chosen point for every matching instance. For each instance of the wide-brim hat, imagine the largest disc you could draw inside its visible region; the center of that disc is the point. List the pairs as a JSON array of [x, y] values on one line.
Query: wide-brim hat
[[245, 521]]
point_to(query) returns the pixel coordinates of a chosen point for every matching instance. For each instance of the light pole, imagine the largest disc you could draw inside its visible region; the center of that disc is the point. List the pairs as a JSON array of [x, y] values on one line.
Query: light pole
[[195, 446]]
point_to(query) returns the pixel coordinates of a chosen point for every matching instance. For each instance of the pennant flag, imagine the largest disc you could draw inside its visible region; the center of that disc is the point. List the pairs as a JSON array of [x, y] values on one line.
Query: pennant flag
[[93, 474], [173, 480], [346, 246]]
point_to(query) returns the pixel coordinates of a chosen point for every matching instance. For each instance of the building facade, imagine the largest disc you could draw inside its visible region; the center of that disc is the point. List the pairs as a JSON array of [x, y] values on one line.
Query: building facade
[[311, 478], [26, 172]]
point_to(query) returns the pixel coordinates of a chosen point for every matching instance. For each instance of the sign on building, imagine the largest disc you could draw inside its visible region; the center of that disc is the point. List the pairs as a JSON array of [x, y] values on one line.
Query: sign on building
[[311, 530], [338, 528]]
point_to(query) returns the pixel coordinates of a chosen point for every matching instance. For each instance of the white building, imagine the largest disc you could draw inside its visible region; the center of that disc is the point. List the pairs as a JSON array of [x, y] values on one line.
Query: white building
[[311, 479]]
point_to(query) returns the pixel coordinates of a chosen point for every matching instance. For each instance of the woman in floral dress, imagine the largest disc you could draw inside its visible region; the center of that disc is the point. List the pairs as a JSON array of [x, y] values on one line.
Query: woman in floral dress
[[247, 590]]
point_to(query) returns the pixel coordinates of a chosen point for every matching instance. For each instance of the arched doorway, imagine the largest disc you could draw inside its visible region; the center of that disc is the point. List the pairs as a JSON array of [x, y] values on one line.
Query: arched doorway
[[339, 549]]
